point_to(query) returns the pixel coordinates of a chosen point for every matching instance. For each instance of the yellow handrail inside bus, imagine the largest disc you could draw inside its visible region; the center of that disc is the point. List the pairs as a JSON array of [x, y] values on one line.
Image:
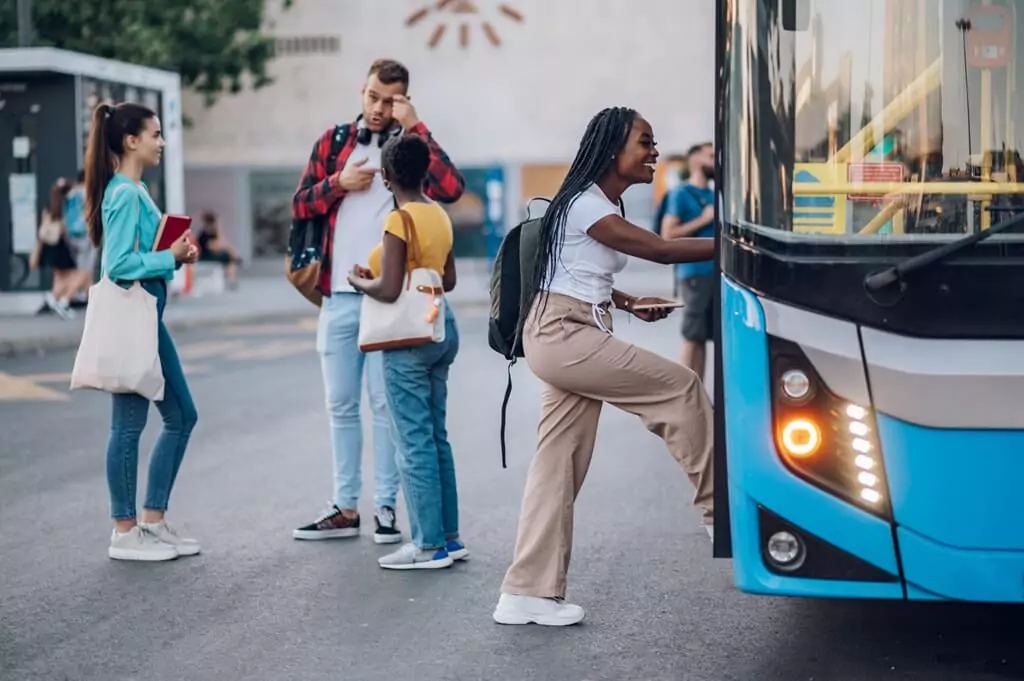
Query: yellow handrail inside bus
[[899, 108], [893, 188], [879, 221]]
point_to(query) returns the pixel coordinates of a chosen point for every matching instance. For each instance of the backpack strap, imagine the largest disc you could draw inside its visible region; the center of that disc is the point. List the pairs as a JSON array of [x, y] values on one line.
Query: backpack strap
[[412, 245], [504, 411], [338, 140]]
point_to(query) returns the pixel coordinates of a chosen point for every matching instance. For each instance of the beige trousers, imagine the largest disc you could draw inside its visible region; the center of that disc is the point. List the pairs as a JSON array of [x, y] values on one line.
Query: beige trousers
[[582, 367]]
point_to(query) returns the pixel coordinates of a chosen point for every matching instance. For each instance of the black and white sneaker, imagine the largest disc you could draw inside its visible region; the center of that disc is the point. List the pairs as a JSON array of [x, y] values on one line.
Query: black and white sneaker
[[387, 530], [331, 525]]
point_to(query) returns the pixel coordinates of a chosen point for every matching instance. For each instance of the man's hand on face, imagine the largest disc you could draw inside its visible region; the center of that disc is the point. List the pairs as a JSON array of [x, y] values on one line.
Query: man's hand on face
[[404, 112], [354, 178]]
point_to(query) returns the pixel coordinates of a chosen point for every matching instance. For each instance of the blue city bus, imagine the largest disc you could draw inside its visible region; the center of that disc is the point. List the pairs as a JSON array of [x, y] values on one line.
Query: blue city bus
[[869, 346]]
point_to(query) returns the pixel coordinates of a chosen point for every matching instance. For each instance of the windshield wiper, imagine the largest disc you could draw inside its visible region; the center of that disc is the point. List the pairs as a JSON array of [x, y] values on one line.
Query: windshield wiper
[[876, 281]]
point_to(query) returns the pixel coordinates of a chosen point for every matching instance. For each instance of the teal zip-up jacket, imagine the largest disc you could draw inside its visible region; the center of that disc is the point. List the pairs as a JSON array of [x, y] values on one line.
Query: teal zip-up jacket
[[128, 213]]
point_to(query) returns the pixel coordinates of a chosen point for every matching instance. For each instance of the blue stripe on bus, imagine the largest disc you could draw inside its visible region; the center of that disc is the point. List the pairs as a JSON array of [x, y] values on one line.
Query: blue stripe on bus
[[814, 202]]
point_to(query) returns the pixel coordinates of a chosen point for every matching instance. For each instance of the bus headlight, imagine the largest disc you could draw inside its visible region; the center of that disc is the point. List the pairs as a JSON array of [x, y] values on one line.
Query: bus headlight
[[796, 385], [821, 438]]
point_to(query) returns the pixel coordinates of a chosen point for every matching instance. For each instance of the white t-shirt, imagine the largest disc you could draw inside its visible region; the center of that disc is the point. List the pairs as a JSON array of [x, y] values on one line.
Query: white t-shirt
[[586, 269], [360, 222]]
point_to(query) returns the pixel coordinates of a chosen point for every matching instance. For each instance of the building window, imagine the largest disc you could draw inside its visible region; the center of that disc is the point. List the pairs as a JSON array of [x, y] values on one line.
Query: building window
[[293, 46]]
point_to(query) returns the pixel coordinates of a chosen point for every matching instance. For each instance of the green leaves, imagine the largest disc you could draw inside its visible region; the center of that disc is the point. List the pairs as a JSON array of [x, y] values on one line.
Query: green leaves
[[215, 45]]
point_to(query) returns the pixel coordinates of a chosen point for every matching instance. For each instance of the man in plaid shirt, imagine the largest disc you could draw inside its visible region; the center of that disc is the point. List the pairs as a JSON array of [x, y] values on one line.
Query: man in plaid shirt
[[356, 202]]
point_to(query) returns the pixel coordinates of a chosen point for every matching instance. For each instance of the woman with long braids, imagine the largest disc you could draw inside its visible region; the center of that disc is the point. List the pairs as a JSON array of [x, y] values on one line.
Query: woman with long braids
[[123, 222], [568, 342]]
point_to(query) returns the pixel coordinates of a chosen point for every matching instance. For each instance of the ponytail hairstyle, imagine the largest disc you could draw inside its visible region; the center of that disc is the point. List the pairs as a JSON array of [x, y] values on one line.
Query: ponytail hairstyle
[[110, 125], [605, 136], [58, 194]]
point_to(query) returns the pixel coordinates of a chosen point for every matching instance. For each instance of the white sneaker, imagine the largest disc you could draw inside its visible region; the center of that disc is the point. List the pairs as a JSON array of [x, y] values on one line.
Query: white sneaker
[[711, 531], [410, 557], [165, 533], [139, 544], [548, 612]]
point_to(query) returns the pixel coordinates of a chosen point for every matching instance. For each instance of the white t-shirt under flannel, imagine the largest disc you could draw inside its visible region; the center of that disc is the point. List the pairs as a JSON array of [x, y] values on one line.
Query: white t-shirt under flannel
[[360, 222]]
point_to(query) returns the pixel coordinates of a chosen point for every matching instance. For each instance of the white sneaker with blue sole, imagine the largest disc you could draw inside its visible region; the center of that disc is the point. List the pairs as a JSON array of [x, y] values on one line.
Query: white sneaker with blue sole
[[456, 549], [409, 557]]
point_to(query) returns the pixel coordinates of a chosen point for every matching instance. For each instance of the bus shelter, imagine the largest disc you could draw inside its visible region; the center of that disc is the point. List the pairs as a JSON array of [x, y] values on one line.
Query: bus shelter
[[47, 97]]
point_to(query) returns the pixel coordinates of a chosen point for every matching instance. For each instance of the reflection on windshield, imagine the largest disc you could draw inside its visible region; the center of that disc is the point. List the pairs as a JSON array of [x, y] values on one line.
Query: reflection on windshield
[[884, 117]]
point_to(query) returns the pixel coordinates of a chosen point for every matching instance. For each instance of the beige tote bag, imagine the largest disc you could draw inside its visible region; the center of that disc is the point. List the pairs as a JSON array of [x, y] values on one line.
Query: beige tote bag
[[119, 349]]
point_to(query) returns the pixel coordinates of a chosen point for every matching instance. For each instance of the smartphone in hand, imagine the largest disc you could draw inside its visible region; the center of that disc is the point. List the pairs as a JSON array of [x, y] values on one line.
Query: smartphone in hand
[[653, 303]]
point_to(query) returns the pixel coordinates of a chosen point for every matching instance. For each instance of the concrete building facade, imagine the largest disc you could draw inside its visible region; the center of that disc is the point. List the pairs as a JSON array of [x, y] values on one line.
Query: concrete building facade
[[506, 87]]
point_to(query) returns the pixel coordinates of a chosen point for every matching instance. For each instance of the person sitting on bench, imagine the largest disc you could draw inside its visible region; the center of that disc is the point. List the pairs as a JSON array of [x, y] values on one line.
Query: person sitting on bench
[[214, 248]]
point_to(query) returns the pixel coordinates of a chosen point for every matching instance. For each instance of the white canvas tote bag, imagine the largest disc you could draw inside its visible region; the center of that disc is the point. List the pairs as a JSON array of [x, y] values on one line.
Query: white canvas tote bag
[[119, 348]]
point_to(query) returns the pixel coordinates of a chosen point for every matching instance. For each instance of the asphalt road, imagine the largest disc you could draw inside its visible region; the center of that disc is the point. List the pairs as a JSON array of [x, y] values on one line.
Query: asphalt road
[[259, 605]]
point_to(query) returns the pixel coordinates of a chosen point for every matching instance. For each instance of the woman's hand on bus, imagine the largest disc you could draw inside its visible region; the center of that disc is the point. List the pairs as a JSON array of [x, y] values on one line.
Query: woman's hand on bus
[[693, 249], [625, 237]]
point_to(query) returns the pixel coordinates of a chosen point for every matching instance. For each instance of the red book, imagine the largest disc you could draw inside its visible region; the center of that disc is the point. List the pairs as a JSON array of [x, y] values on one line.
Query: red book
[[170, 230]]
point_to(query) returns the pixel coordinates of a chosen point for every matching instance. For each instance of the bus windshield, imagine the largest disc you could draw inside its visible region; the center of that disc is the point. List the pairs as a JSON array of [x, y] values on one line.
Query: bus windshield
[[872, 120]]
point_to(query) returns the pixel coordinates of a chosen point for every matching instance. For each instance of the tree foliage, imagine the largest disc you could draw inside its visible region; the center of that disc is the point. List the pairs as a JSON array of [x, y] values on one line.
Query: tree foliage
[[216, 45]]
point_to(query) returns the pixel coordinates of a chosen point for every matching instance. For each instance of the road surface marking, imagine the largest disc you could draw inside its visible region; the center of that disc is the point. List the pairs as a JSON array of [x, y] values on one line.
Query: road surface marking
[[17, 389], [209, 349], [276, 350], [302, 326]]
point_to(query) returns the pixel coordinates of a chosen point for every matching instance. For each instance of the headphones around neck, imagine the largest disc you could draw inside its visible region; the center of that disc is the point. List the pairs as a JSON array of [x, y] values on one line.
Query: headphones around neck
[[364, 134]]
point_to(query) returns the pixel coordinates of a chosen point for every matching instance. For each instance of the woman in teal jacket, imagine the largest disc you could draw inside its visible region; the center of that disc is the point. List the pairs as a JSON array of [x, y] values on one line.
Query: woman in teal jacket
[[123, 222]]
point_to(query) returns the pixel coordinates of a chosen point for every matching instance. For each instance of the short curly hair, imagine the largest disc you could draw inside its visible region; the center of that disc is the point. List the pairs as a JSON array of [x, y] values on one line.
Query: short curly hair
[[405, 159]]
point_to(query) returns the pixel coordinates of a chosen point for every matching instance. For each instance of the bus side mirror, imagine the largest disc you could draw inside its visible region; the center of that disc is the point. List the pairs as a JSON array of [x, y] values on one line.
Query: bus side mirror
[[796, 15]]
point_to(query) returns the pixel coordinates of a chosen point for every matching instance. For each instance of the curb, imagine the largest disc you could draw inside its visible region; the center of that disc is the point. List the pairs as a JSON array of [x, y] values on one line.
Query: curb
[[57, 342]]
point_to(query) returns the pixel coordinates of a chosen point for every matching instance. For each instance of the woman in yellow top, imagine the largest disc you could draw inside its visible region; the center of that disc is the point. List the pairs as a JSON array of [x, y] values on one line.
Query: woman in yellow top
[[416, 379]]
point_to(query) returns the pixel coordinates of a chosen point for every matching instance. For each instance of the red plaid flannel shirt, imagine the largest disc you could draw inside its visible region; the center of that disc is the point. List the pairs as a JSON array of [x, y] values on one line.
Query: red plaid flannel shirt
[[315, 196]]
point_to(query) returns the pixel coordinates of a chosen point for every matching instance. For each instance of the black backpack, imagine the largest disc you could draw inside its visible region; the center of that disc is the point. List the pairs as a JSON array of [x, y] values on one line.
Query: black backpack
[[306, 237], [514, 268]]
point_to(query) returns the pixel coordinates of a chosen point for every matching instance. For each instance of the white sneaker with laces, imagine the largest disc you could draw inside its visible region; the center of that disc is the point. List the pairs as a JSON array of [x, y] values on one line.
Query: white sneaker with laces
[[165, 533], [411, 557], [548, 612], [139, 544]]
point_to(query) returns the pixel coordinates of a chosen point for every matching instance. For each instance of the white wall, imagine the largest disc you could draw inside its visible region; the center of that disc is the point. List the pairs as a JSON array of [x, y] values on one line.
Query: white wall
[[527, 101]]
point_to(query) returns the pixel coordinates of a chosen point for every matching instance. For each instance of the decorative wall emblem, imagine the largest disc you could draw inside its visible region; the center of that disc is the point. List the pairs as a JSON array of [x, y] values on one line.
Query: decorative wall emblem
[[465, 14]]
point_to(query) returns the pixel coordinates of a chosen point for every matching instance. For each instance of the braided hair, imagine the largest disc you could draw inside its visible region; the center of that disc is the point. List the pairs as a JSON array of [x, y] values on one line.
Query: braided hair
[[606, 134]]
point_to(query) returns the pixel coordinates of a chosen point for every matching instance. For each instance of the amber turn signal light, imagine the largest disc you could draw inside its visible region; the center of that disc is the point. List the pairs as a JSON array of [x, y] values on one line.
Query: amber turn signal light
[[800, 438]]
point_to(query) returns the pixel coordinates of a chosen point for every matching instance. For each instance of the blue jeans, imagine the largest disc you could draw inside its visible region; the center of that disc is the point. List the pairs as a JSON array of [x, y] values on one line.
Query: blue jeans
[[337, 341], [417, 391], [129, 418]]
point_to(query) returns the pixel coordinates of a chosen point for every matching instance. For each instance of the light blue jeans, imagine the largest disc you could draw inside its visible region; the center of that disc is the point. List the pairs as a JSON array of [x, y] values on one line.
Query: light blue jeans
[[128, 420], [337, 341], [417, 392]]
